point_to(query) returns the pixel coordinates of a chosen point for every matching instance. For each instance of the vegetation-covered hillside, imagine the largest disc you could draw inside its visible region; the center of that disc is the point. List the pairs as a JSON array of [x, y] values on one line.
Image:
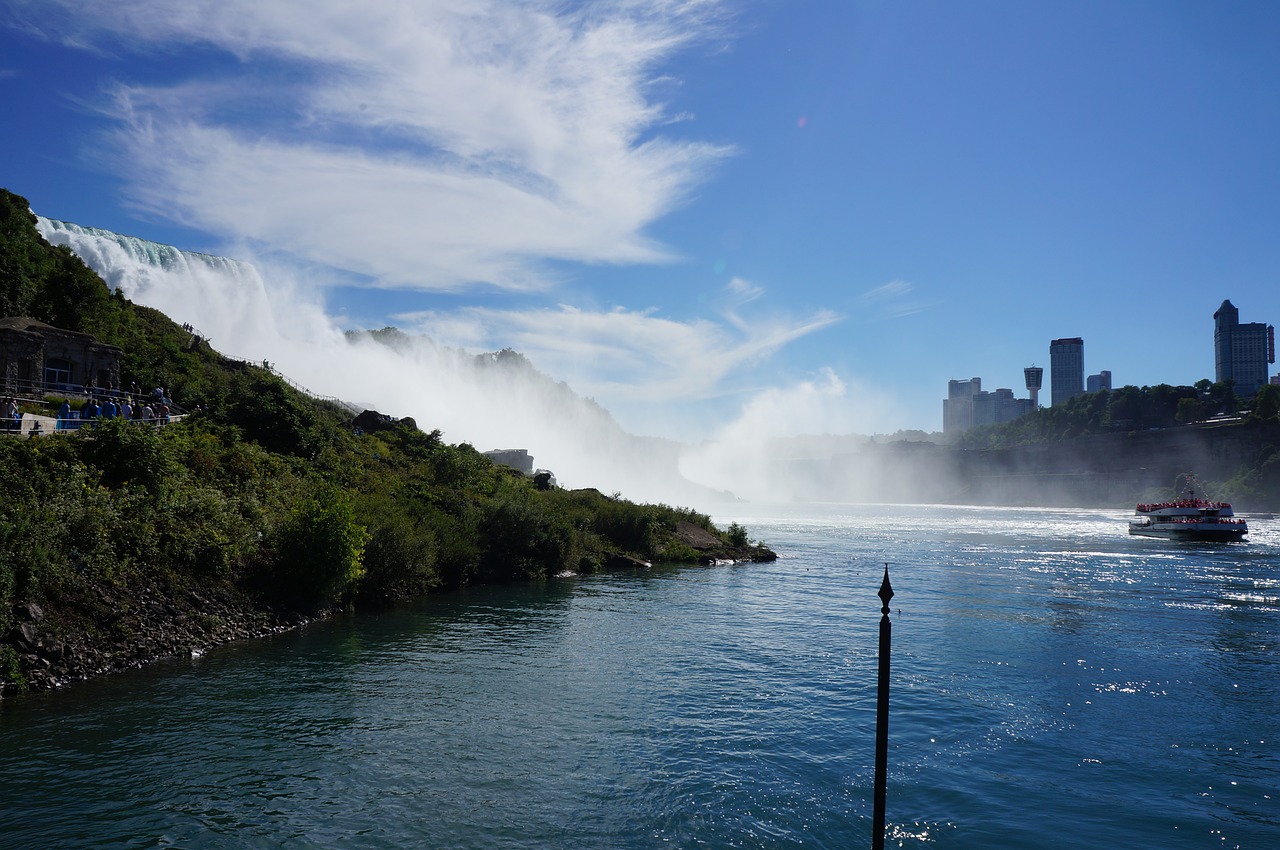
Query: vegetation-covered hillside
[[121, 542]]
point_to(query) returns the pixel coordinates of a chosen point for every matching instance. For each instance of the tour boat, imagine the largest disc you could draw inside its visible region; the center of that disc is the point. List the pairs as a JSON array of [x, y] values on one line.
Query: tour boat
[[1189, 517]]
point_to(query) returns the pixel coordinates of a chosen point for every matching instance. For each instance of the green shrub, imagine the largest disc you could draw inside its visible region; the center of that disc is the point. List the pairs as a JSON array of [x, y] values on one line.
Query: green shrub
[[319, 549], [10, 671], [522, 542], [400, 559], [126, 453], [203, 532]]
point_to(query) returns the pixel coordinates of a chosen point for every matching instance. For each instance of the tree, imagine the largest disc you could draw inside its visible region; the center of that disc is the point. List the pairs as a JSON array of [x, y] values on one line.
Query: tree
[[1222, 397], [1190, 410], [1266, 402], [320, 549]]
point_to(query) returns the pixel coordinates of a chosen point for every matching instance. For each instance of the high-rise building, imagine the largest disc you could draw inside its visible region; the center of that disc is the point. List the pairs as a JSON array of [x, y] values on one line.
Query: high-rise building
[[957, 407], [998, 406], [1034, 376], [1066, 368], [968, 406], [1100, 381], [1241, 352]]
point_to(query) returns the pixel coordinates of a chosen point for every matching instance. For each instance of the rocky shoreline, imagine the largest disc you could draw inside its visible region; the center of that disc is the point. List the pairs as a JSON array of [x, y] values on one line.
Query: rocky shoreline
[[109, 629], [140, 629]]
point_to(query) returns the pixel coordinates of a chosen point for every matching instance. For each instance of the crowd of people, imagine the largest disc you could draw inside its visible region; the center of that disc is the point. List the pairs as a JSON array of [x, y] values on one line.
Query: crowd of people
[[153, 409]]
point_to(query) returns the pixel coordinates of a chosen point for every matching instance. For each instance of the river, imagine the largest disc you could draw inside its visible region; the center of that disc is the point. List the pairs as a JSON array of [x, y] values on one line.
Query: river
[[1056, 684]]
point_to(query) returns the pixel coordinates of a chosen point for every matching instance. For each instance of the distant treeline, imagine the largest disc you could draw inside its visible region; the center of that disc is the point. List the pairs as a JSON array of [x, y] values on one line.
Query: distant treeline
[[1110, 430], [1127, 409]]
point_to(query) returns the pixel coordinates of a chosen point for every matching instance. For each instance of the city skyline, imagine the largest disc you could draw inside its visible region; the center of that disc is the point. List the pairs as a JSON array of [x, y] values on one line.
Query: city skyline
[[1243, 354], [717, 220]]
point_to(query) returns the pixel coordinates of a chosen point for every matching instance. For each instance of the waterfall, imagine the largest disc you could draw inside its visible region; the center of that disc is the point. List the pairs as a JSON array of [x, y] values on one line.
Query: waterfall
[[227, 299], [490, 402]]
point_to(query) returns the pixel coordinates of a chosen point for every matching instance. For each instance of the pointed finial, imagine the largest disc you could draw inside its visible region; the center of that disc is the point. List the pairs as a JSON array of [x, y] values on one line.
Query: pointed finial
[[886, 591]]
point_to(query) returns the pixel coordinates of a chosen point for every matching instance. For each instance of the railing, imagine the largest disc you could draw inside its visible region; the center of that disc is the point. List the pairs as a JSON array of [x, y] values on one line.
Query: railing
[[72, 424], [36, 391], [266, 364]]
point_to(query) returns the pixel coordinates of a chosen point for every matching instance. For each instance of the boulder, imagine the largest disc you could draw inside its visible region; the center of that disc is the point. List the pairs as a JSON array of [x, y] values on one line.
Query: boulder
[[30, 612], [23, 637]]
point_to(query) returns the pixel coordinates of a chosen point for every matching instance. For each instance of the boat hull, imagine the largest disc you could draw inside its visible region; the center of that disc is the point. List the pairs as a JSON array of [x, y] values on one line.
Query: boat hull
[[1189, 532]]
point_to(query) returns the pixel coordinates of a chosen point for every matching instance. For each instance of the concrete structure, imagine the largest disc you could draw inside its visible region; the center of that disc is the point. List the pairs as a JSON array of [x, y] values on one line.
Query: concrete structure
[[1034, 376], [1100, 381], [1066, 368], [968, 406], [515, 458], [1241, 352], [36, 358]]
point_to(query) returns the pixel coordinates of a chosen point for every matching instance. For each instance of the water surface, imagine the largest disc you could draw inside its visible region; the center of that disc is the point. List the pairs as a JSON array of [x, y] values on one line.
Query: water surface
[[1056, 684]]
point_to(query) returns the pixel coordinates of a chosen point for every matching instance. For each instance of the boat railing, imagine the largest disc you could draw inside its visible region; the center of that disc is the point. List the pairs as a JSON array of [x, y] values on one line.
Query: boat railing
[[1183, 503], [1206, 520]]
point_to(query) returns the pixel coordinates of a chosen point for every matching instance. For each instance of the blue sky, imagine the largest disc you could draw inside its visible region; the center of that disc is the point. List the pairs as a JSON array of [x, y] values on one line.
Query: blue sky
[[804, 215]]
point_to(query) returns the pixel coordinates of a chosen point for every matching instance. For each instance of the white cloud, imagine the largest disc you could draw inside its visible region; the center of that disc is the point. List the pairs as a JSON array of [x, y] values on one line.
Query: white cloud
[[892, 300], [622, 355], [426, 144]]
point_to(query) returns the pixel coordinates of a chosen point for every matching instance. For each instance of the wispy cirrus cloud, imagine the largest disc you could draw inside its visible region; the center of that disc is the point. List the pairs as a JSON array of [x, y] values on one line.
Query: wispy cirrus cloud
[[431, 145], [893, 300], [626, 355]]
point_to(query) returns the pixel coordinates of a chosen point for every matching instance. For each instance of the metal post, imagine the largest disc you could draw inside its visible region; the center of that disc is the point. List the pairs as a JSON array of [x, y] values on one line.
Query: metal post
[[882, 716]]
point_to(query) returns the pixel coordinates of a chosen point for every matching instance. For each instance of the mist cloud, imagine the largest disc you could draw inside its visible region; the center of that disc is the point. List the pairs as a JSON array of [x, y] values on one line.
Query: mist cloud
[[743, 455]]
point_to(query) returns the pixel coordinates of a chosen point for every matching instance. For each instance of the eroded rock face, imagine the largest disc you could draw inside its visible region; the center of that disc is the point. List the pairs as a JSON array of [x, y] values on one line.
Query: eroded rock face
[[712, 550], [697, 537]]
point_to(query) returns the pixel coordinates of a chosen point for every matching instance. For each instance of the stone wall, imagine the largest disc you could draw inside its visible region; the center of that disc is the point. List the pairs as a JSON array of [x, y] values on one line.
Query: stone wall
[[27, 345]]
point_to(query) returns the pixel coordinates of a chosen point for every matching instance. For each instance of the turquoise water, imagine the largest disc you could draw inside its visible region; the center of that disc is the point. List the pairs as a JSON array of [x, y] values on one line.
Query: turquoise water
[[1056, 684]]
